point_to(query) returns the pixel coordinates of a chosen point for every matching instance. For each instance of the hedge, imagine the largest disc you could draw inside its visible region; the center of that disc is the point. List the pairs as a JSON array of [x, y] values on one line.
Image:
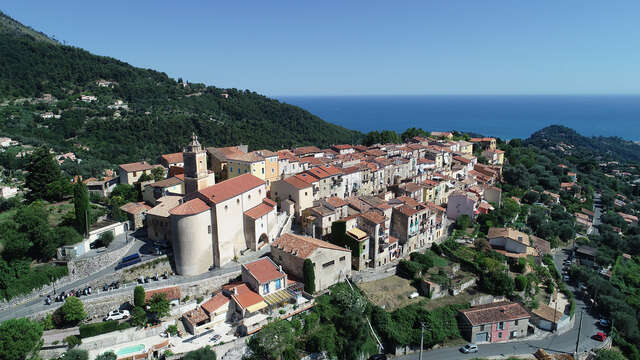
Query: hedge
[[95, 329]]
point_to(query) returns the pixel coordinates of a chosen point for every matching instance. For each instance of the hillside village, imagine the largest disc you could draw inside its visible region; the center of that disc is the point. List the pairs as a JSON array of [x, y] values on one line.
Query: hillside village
[[431, 222]]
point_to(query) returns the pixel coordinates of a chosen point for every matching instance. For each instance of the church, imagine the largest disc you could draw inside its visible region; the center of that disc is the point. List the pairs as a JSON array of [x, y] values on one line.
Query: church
[[216, 223]]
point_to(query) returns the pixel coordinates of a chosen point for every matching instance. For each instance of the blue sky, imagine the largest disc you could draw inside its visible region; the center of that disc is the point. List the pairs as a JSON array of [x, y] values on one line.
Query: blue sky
[[362, 47]]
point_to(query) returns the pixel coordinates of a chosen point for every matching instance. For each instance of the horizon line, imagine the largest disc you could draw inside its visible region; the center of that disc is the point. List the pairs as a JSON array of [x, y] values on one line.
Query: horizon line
[[452, 94]]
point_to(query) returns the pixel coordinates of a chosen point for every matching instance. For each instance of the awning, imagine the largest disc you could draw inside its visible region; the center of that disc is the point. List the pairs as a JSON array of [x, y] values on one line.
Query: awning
[[278, 297], [256, 307]]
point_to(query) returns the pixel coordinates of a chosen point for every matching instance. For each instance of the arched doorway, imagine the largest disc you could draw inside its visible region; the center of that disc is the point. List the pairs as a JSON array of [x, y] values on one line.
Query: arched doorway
[[263, 240]]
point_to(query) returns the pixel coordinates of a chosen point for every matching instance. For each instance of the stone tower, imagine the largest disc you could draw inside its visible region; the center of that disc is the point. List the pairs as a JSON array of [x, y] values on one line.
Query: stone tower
[[195, 166]]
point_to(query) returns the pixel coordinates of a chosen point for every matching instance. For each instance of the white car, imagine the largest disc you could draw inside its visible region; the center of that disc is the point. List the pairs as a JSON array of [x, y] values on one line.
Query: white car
[[117, 315], [469, 348]]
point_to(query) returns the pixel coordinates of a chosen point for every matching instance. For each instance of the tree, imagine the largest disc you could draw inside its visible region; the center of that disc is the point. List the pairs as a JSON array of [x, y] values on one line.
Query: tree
[[76, 354], [72, 311], [109, 355], [72, 341], [145, 177], [20, 339], [43, 170], [204, 353], [159, 306], [138, 317], [157, 173], [138, 296], [463, 222], [106, 238], [81, 207], [309, 276], [605, 354], [272, 340]]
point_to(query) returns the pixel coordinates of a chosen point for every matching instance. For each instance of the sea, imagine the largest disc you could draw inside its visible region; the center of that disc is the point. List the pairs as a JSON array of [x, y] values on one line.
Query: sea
[[506, 117]]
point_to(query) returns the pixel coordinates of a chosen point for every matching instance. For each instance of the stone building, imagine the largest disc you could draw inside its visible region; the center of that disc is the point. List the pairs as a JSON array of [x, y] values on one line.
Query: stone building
[[495, 322], [331, 263]]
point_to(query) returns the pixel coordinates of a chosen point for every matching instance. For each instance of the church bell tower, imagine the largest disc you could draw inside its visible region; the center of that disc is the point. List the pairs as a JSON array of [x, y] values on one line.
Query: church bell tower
[[195, 166]]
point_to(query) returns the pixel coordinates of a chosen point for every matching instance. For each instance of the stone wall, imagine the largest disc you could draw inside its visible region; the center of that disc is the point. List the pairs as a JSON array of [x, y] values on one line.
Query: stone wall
[[122, 336]]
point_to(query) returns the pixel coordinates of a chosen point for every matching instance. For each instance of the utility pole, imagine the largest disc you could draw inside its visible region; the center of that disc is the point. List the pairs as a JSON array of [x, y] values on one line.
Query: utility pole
[[421, 339], [555, 311], [579, 330]]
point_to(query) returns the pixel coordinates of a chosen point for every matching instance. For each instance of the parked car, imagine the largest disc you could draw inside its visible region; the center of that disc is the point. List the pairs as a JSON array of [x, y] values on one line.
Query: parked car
[[604, 323], [413, 295], [600, 336], [117, 315], [469, 348], [565, 278], [216, 337]]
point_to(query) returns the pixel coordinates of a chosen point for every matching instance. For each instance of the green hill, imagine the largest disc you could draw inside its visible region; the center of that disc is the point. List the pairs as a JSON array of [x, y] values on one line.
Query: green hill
[[161, 114], [613, 148]]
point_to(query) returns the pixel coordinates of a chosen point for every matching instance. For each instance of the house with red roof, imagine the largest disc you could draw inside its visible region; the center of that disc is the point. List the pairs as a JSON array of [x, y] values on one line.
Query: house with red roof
[[264, 277], [296, 189], [494, 322], [331, 262]]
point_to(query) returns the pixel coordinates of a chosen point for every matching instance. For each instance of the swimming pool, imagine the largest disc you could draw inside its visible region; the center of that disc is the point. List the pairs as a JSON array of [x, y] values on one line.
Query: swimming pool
[[130, 350]]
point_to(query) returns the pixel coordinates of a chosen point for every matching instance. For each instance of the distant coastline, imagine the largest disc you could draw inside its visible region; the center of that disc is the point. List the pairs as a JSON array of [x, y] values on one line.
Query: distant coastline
[[504, 116]]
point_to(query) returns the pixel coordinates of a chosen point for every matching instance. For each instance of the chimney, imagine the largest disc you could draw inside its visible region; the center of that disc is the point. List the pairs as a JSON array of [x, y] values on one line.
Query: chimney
[[235, 291], [280, 268]]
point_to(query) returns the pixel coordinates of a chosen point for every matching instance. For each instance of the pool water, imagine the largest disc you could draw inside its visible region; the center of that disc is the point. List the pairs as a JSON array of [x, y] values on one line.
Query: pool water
[[131, 350]]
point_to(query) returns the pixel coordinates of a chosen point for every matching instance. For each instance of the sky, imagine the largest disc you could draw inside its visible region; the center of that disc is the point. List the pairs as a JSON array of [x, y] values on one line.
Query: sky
[[367, 47]]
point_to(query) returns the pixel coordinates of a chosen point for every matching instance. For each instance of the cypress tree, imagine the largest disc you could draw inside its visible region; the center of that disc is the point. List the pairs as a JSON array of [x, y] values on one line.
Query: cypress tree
[[309, 277], [81, 206]]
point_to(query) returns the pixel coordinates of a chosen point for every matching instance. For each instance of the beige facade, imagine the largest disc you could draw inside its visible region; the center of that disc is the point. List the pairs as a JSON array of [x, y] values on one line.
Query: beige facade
[[298, 191], [196, 175], [192, 247]]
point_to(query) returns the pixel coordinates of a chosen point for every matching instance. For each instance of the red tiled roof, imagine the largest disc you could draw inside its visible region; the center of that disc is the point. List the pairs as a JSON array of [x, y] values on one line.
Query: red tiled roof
[[297, 182], [135, 208], [246, 297], [412, 187], [495, 312], [172, 293], [215, 303], [264, 270], [259, 211], [336, 201], [302, 246], [408, 200], [306, 150], [172, 181], [373, 216], [406, 210], [191, 207], [231, 188], [342, 147], [136, 166], [173, 158]]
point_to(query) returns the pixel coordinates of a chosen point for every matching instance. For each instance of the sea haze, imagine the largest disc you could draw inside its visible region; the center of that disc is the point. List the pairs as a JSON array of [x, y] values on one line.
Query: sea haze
[[502, 116]]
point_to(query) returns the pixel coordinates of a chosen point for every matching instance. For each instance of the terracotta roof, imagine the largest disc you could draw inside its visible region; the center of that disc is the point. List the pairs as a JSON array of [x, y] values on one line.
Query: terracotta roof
[[306, 150], [512, 234], [164, 205], [297, 182], [264, 270], [373, 216], [406, 210], [336, 201], [135, 208], [230, 188], [259, 211], [269, 202], [412, 187], [191, 207], [342, 147], [245, 157], [136, 166], [173, 158], [246, 297], [195, 316], [172, 293], [215, 303], [172, 181], [302, 246], [548, 313], [408, 201], [495, 312]]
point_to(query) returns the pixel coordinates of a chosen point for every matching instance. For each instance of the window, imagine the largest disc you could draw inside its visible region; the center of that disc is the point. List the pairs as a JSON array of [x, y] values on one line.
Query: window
[[278, 284], [327, 264], [209, 229], [501, 325], [516, 323], [499, 335], [238, 170], [481, 327], [343, 258], [135, 173], [230, 169], [263, 170], [265, 288], [226, 207], [249, 196], [260, 191], [305, 193], [238, 201]]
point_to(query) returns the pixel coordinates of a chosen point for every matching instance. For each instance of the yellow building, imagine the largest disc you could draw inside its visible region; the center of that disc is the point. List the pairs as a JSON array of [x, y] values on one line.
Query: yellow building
[[465, 147], [271, 167], [245, 163]]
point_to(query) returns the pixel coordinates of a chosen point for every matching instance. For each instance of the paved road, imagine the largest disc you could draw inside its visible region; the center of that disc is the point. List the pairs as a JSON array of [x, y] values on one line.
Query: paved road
[[597, 212], [565, 343]]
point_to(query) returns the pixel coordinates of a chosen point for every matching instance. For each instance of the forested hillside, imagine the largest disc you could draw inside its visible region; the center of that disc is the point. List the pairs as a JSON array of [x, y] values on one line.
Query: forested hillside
[[159, 115], [568, 141]]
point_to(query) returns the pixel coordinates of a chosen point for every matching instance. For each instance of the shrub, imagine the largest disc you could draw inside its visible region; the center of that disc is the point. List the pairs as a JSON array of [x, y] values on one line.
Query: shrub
[[309, 276], [76, 354], [106, 238], [521, 283], [172, 329], [138, 296], [95, 329], [199, 299], [71, 312], [409, 269], [72, 341]]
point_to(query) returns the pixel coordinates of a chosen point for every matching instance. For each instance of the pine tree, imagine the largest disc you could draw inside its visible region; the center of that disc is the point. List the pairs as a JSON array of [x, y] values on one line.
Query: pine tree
[[309, 276], [43, 171]]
